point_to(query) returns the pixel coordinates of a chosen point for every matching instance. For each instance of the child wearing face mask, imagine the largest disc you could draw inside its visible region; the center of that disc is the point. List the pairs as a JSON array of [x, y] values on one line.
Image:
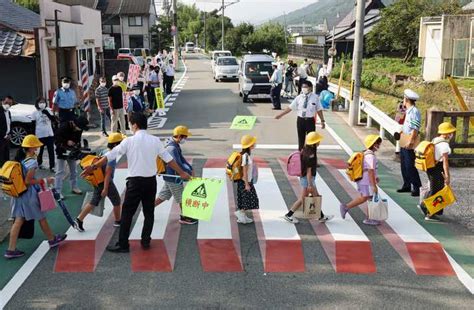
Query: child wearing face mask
[[44, 121], [174, 186], [367, 186], [439, 176], [308, 176], [27, 206]]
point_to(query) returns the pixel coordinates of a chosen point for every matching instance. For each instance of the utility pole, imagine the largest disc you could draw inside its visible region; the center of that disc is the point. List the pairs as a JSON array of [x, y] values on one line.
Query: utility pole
[[56, 36], [357, 63], [205, 42], [175, 24], [223, 30]]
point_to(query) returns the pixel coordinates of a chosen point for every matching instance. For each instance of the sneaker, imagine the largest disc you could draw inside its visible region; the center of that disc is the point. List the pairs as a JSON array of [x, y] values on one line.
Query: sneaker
[[76, 191], [13, 254], [41, 167], [52, 170], [105, 134], [326, 218], [291, 219], [58, 239], [79, 225], [432, 218], [61, 196], [343, 209], [248, 220], [187, 221], [240, 217], [117, 223], [371, 222]]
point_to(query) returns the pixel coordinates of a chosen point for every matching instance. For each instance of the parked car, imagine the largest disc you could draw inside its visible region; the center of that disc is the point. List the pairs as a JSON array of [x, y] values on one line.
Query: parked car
[[226, 68], [22, 122], [217, 54], [254, 72], [132, 59], [124, 52]]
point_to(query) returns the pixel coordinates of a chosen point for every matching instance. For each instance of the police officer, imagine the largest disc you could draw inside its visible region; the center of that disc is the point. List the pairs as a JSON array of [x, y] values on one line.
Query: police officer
[[411, 130], [306, 104], [65, 100], [276, 79]]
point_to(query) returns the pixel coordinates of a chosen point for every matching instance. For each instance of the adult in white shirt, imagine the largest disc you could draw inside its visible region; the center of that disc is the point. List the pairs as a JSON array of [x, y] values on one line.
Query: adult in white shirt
[[277, 80], [439, 176], [306, 105], [302, 72], [141, 150], [44, 119], [5, 125], [168, 77]]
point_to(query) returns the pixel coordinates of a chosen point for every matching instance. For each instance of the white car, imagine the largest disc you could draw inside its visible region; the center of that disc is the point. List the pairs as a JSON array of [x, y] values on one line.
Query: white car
[[226, 68], [217, 54], [22, 122]]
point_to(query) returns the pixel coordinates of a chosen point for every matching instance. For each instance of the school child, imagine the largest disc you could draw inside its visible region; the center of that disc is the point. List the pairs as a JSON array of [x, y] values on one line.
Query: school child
[[247, 198], [105, 189], [367, 186], [27, 206], [309, 159], [439, 176]]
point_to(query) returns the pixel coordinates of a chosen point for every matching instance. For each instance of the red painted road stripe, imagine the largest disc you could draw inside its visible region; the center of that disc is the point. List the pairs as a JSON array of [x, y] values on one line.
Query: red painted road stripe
[[424, 258], [279, 242], [346, 253], [83, 251], [218, 240]]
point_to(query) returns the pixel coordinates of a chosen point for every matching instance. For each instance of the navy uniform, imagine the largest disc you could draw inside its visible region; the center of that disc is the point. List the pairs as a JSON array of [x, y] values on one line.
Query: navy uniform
[[411, 178], [65, 101]]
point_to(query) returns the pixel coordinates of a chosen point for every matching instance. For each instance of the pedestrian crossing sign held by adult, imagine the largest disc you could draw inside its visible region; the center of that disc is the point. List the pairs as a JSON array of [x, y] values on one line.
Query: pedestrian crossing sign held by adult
[[199, 198]]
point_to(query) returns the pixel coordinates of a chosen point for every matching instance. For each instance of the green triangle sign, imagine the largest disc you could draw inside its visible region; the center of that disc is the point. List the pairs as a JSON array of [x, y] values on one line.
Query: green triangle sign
[[200, 192], [243, 122]]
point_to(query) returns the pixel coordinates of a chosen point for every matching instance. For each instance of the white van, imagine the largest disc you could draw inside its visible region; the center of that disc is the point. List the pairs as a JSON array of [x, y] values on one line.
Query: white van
[[226, 68], [189, 47], [217, 54], [254, 76]]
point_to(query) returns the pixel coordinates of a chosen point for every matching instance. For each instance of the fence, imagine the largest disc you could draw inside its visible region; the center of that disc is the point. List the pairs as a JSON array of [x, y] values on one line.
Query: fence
[[311, 51], [461, 138]]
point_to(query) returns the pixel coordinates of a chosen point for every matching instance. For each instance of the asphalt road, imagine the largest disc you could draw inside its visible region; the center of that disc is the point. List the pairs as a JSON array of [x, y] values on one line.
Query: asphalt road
[[208, 108]]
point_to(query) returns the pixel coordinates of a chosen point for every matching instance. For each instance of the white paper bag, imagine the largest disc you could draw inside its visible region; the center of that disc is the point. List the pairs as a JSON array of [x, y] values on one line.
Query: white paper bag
[[378, 209]]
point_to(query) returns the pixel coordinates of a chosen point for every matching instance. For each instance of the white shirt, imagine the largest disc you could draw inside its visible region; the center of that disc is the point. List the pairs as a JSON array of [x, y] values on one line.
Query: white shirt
[[8, 120], [169, 70], [302, 71], [441, 148], [277, 77], [248, 161], [142, 150], [43, 127], [313, 105]]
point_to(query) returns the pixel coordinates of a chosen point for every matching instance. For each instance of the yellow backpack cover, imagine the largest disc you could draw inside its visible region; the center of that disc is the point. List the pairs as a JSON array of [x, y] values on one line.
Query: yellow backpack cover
[[160, 165], [355, 166], [97, 176], [425, 156], [11, 178], [234, 166]]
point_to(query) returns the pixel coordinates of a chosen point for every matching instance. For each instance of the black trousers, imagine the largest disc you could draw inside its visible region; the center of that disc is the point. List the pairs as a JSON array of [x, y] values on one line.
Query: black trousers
[[66, 115], [168, 83], [275, 96], [139, 189], [304, 125], [436, 179], [4, 151], [409, 172], [48, 142]]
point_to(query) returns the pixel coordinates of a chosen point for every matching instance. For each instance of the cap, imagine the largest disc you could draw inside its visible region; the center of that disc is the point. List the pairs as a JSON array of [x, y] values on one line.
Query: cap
[[410, 94], [114, 78], [65, 79]]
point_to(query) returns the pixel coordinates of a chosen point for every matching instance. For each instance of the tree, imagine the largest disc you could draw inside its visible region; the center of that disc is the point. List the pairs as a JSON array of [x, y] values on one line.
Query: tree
[[29, 4], [269, 36], [161, 39], [398, 28], [236, 39]]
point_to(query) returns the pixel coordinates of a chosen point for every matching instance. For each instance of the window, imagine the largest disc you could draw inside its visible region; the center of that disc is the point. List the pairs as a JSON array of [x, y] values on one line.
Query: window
[[136, 41], [227, 62], [256, 68], [135, 21]]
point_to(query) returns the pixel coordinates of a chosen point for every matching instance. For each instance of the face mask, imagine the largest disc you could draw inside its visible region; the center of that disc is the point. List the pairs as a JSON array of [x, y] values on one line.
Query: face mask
[[6, 107], [305, 91], [103, 84], [121, 78], [116, 82], [42, 105], [183, 141], [136, 92], [66, 85]]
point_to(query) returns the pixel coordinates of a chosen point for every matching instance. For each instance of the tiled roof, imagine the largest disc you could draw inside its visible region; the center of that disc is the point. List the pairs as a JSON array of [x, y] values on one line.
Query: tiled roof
[[469, 7], [17, 17], [113, 7], [11, 43]]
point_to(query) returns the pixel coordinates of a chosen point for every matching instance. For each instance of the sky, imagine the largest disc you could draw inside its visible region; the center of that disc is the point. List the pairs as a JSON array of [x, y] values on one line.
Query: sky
[[253, 11]]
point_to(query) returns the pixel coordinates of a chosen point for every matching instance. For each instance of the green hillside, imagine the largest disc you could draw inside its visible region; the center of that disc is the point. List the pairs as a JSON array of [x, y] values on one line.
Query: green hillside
[[316, 13]]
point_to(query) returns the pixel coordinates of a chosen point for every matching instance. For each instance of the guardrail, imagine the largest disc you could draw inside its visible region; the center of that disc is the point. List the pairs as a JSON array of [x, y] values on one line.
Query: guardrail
[[386, 123]]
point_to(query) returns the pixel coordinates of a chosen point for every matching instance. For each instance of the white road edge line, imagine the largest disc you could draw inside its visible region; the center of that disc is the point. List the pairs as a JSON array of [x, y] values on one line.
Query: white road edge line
[[287, 147], [462, 275]]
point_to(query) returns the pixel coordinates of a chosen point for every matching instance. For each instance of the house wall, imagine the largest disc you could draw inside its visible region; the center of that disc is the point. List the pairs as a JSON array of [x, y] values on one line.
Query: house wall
[[128, 30]]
